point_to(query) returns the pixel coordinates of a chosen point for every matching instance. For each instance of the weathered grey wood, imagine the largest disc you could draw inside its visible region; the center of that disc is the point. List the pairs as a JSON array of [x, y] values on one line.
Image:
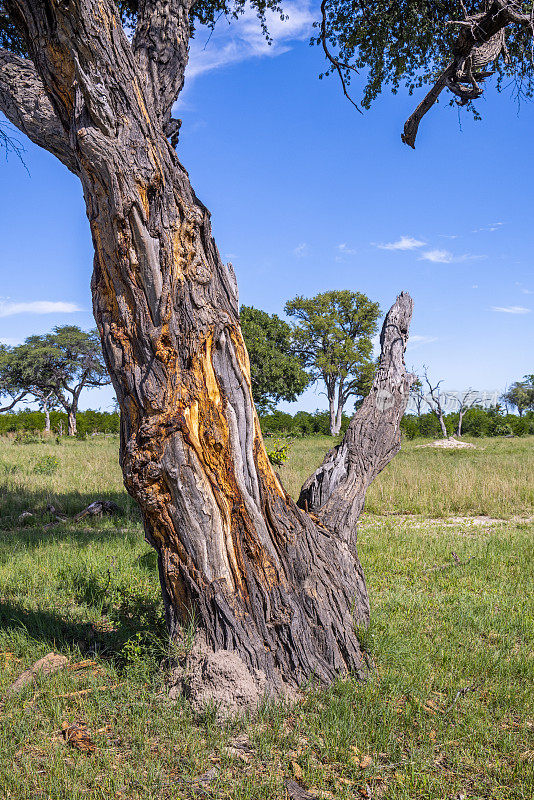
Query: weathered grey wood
[[263, 578], [336, 491], [25, 102]]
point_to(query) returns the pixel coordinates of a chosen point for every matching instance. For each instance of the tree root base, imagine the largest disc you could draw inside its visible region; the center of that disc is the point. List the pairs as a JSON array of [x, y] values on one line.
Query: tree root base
[[221, 680]]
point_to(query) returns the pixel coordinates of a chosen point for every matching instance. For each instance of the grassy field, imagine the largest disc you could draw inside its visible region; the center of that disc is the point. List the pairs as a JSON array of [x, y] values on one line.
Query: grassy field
[[447, 711], [496, 478]]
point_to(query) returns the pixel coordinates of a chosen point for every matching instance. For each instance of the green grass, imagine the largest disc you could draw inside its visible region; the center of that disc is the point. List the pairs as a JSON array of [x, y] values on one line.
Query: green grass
[[496, 478], [91, 591]]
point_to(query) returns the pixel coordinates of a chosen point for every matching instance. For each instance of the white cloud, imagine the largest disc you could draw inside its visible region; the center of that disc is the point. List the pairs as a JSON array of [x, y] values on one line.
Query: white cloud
[[445, 257], [346, 250], [523, 289], [243, 39], [404, 243], [494, 226], [9, 340], [437, 256], [416, 337], [9, 309], [512, 309], [301, 250]]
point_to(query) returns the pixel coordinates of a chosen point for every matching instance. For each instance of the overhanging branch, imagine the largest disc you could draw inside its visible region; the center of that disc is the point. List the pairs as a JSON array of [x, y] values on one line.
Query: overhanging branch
[[17, 399], [480, 42]]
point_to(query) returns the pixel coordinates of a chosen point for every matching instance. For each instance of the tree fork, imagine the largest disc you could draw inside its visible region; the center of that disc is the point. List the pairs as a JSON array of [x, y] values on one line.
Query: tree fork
[[275, 588]]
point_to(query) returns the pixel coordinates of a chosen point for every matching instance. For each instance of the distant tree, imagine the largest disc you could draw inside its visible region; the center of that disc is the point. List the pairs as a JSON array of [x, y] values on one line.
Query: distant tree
[[417, 395], [435, 400], [7, 387], [465, 401], [333, 339], [79, 365], [27, 371], [276, 372], [520, 395], [53, 369]]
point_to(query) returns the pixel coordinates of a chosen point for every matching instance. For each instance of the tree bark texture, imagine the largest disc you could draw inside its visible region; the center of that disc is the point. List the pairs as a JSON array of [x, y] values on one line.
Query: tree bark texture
[[262, 577], [71, 418]]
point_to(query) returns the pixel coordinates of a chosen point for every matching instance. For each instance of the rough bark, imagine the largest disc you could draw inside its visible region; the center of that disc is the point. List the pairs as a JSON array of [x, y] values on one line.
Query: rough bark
[[262, 577], [336, 491], [71, 420], [25, 102]]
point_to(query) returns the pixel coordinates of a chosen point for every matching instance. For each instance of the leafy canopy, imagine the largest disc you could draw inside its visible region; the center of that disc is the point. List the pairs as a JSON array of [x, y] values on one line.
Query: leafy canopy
[[276, 372], [203, 12], [520, 395], [408, 42], [66, 360], [390, 43], [332, 336]]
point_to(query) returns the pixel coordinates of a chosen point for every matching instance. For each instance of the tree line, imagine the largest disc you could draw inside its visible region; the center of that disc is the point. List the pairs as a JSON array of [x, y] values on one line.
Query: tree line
[[330, 343]]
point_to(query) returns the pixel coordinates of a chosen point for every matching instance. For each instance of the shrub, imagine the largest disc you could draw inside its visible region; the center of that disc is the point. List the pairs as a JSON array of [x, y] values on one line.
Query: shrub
[[279, 454]]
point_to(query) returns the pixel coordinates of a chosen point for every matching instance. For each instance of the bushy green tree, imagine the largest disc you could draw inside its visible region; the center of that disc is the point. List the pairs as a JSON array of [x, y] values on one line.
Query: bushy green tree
[[27, 371], [53, 369], [275, 370], [520, 395], [333, 336]]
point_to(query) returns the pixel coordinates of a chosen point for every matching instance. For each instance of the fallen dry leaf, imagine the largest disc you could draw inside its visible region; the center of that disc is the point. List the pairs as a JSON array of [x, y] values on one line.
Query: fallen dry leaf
[[365, 762], [77, 736]]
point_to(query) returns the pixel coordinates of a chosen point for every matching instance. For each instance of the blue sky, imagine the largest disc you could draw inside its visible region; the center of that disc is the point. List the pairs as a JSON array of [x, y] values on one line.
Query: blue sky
[[308, 195]]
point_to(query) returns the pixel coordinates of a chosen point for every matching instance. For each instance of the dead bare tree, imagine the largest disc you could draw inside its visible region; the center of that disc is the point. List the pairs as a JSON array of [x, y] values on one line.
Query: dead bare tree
[[277, 589], [435, 401], [465, 401]]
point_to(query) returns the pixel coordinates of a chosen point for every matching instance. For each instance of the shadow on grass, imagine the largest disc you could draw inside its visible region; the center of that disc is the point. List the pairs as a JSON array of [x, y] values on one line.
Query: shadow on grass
[[104, 637], [15, 501]]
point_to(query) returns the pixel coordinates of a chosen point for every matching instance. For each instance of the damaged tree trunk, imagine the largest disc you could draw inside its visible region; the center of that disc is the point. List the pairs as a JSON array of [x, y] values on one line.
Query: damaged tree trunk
[[278, 587], [336, 491]]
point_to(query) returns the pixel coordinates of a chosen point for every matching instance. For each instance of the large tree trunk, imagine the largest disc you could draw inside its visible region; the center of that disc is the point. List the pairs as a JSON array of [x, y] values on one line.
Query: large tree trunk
[[278, 587], [47, 417], [262, 578]]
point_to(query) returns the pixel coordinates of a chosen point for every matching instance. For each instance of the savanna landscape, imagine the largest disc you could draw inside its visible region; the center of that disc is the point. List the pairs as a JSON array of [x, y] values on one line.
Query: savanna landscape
[[447, 706], [266, 400]]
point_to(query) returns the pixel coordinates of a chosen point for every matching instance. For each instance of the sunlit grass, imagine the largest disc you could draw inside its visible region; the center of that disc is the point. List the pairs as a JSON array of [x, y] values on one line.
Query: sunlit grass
[[90, 591], [496, 478]]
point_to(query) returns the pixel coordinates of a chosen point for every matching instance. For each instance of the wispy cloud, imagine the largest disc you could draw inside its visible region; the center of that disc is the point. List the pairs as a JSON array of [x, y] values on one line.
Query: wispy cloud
[[301, 250], [404, 243], [523, 289], [243, 38], [511, 309], [9, 309], [438, 256], [494, 226], [416, 340], [346, 250], [9, 340]]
